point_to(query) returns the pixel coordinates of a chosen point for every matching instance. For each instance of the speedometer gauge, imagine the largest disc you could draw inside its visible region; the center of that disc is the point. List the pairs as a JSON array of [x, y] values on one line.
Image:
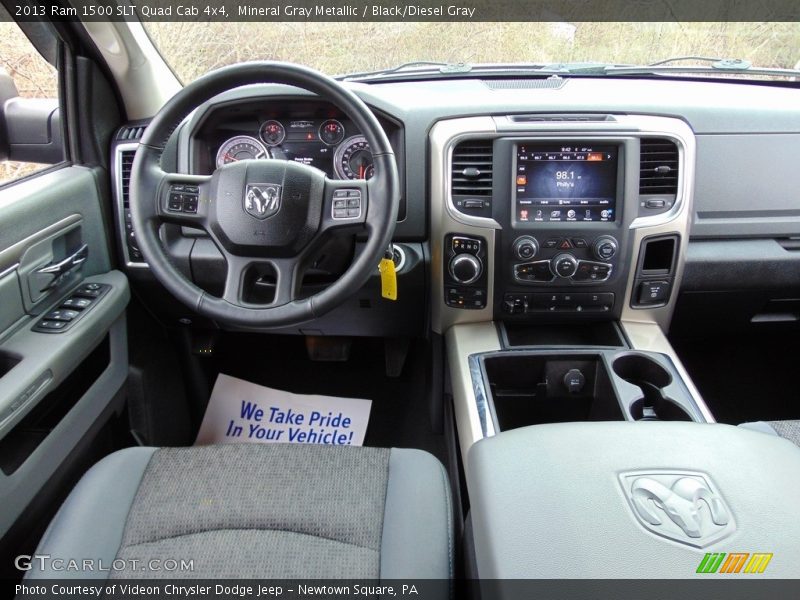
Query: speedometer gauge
[[242, 147], [353, 159]]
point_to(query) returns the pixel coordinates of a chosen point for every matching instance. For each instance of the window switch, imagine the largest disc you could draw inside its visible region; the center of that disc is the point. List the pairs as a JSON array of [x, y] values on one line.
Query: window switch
[[62, 314], [76, 303], [90, 290], [52, 325]]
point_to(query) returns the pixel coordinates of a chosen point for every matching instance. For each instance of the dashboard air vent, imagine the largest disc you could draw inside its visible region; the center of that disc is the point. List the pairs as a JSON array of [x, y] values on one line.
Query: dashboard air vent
[[125, 165], [471, 173], [658, 168], [130, 132]]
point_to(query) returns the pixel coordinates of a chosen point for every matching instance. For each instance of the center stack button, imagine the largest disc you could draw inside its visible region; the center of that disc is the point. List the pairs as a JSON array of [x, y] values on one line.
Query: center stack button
[[564, 265], [526, 247]]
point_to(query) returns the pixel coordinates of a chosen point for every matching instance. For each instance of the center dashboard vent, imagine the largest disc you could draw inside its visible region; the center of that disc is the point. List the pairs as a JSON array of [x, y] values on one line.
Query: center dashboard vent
[[658, 166], [471, 173]]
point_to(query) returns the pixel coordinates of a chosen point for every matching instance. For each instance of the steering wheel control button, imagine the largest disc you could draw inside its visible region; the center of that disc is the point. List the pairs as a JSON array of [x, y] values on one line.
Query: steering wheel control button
[[605, 247], [175, 203], [183, 198], [190, 204], [653, 292], [346, 204], [565, 265]]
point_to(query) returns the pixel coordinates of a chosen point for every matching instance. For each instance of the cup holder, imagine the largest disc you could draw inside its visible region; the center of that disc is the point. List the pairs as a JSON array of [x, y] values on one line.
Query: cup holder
[[651, 378]]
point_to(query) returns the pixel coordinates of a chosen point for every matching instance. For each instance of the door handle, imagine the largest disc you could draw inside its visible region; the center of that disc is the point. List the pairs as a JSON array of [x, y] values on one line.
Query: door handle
[[58, 270]]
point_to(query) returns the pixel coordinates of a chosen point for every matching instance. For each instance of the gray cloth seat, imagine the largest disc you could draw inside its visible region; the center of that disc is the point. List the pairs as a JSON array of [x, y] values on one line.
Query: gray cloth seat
[[258, 511], [789, 430]]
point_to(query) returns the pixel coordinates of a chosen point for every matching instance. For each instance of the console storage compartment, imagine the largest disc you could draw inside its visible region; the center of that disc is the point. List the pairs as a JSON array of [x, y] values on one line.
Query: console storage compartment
[[534, 387], [551, 388]]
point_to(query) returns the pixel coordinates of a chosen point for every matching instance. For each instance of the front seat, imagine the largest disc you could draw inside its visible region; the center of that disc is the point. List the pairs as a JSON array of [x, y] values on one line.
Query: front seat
[[271, 511], [789, 430]]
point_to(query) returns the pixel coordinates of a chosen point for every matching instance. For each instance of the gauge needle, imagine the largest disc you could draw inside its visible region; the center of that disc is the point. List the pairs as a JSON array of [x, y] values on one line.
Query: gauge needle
[[229, 157], [361, 170]]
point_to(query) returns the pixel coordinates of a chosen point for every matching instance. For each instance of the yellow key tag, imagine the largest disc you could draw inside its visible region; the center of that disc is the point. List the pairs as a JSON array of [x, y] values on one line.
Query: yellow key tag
[[388, 279]]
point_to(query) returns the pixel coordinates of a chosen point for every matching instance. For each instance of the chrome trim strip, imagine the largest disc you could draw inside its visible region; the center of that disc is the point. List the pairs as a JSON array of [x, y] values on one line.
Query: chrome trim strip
[[481, 396], [119, 208], [464, 345], [12, 255], [9, 270]]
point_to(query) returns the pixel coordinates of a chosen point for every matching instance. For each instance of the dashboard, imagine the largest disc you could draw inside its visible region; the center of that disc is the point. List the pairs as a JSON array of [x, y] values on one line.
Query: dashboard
[[575, 202]]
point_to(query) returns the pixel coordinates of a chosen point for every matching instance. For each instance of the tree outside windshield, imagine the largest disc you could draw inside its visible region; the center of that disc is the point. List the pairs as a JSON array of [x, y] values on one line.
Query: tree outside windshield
[[193, 48]]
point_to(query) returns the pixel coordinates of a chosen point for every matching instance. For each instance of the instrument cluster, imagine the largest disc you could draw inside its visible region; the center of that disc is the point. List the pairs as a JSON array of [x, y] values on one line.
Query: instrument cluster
[[331, 145]]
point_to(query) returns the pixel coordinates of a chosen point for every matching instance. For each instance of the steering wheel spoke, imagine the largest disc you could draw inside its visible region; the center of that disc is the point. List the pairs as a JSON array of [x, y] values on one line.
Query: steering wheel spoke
[[288, 282], [243, 274], [184, 199]]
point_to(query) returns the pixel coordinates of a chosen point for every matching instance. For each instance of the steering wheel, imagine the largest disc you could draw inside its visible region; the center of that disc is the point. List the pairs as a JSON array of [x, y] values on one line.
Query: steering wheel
[[267, 213]]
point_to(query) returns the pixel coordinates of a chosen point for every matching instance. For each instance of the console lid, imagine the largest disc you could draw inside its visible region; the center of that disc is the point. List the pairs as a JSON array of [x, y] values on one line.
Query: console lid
[[634, 500]]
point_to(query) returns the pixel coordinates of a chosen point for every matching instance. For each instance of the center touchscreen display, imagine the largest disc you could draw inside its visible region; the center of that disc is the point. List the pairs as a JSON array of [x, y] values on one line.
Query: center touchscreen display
[[566, 183]]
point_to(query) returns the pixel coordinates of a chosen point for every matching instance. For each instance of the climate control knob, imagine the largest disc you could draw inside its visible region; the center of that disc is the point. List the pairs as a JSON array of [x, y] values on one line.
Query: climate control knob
[[604, 248], [526, 247], [564, 265], [465, 268]]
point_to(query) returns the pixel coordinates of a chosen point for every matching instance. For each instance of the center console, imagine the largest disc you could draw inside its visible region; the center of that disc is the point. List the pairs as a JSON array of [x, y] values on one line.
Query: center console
[[557, 248], [558, 243]]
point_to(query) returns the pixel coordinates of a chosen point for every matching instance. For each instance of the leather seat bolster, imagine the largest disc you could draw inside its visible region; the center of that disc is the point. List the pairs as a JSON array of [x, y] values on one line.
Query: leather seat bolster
[[418, 518]]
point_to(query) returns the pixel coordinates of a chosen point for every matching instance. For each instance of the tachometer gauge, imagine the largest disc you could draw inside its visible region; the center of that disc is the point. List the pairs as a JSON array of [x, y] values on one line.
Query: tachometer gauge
[[242, 147], [331, 132], [353, 159], [273, 133]]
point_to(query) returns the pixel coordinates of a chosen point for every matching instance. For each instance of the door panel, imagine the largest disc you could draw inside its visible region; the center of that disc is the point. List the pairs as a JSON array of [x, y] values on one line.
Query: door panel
[[44, 413]]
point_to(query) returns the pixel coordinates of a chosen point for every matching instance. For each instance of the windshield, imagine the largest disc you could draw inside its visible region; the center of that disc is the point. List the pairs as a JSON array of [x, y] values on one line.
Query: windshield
[[335, 48]]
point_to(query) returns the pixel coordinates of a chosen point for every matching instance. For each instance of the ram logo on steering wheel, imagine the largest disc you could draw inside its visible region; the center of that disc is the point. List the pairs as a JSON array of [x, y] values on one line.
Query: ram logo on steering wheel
[[262, 200]]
